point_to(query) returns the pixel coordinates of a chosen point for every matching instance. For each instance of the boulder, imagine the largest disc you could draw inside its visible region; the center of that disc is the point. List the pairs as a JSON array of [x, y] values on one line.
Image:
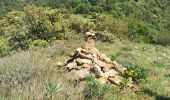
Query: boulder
[[97, 70], [90, 33], [107, 67], [87, 66], [86, 56], [73, 54], [59, 64], [102, 80], [95, 51], [78, 67], [78, 49], [83, 73], [71, 65], [110, 73], [83, 61], [105, 58], [99, 62], [115, 80], [118, 66]]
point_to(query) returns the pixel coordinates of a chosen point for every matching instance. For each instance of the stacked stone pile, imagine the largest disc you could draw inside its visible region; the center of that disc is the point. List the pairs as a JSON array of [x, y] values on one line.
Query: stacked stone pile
[[89, 60]]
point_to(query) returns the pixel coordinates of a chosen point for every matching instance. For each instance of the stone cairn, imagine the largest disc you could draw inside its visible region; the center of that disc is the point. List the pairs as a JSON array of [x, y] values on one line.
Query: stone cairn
[[89, 60]]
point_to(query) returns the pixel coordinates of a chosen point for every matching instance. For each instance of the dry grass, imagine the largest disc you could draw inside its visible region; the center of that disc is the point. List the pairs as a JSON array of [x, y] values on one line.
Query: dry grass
[[26, 75]]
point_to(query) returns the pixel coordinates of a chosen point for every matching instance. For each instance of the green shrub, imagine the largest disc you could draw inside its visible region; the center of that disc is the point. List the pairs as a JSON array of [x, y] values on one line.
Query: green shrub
[[126, 82], [113, 56], [43, 23], [112, 25], [83, 9], [94, 90], [79, 25], [39, 43], [94, 15], [51, 88], [136, 72], [162, 38], [96, 9], [105, 36], [141, 32], [4, 47]]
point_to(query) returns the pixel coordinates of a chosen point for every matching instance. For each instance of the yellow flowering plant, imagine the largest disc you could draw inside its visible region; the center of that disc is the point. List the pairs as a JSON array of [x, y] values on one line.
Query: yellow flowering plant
[[135, 71]]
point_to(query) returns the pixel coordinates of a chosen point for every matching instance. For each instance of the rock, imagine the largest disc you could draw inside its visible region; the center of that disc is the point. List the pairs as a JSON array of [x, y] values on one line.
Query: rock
[[83, 61], [97, 70], [84, 51], [59, 64], [78, 49], [70, 60], [72, 54], [105, 58], [78, 67], [87, 66], [107, 67], [99, 63], [71, 65], [89, 59], [102, 80], [110, 73], [95, 51], [71, 76], [90, 33], [86, 56], [118, 66], [115, 80], [83, 73]]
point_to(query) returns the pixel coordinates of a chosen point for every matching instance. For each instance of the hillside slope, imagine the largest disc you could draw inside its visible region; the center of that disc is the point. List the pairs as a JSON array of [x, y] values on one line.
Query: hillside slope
[[27, 75]]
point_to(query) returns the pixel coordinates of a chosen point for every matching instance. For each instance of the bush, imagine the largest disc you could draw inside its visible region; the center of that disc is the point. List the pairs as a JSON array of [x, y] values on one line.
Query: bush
[[44, 23], [39, 43], [162, 38], [105, 36], [114, 56], [111, 25], [4, 47], [96, 9], [136, 72], [79, 25], [83, 9], [141, 32], [33, 23], [94, 15], [94, 90]]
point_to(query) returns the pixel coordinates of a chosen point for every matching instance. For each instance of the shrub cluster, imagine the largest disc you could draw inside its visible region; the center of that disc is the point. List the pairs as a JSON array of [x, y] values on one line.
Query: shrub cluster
[[95, 90], [136, 72], [21, 28], [34, 26]]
